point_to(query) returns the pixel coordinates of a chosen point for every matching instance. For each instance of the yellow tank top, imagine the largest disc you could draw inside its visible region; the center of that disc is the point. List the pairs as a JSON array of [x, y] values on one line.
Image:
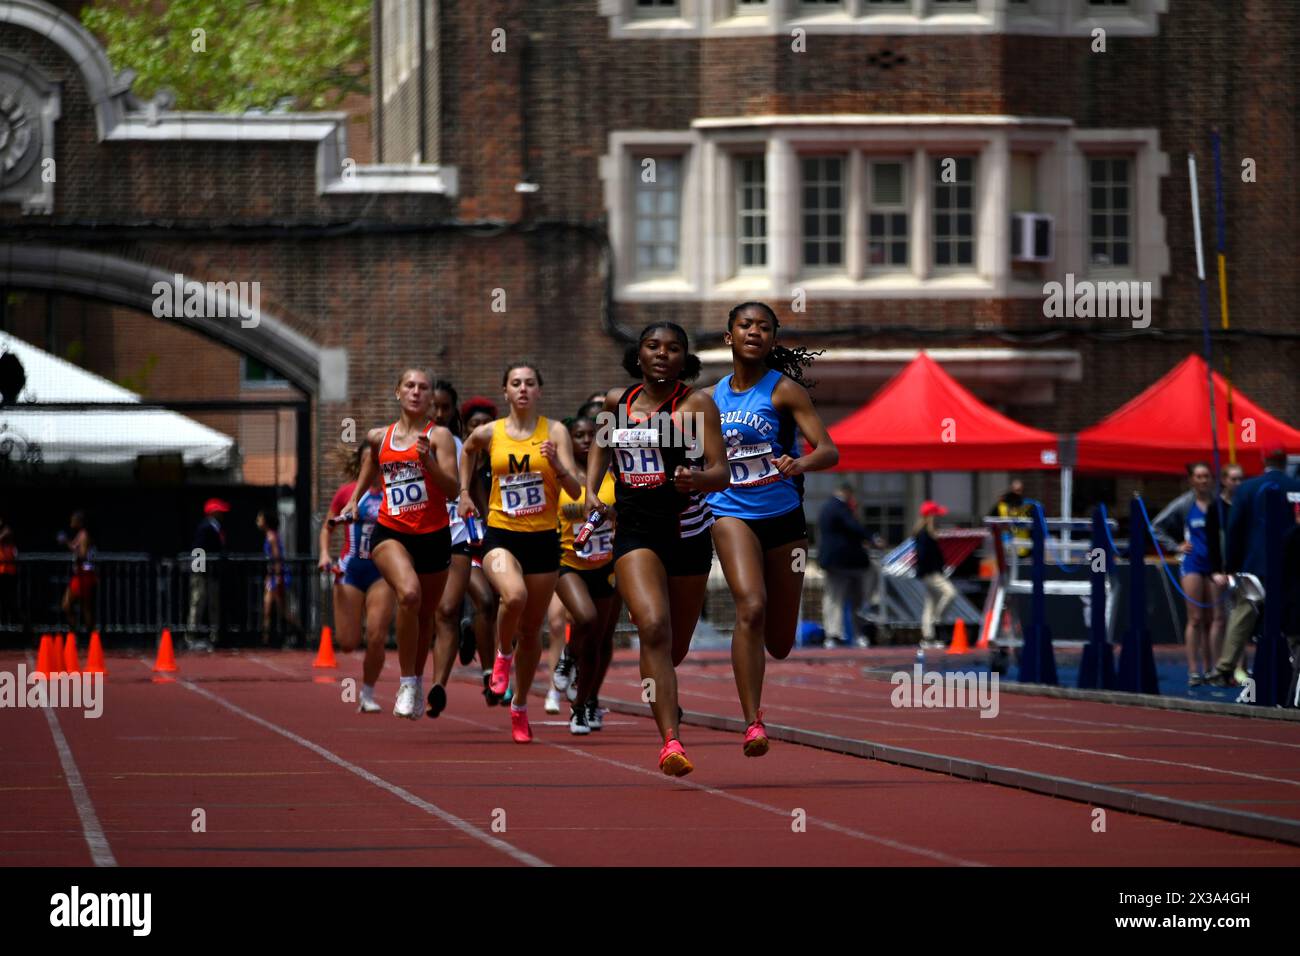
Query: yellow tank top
[[599, 548], [525, 490]]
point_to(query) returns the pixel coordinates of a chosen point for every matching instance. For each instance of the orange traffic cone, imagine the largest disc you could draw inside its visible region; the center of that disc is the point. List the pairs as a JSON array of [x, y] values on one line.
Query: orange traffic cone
[[325, 656], [983, 643], [960, 644], [43, 662], [166, 662], [95, 656], [70, 662]]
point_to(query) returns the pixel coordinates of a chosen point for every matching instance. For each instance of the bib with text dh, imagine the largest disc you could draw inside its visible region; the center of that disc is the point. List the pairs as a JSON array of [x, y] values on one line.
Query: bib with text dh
[[640, 460]]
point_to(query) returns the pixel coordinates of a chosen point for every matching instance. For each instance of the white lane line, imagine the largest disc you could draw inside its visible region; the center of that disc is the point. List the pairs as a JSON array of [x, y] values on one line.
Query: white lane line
[[1004, 738], [402, 794], [821, 688], [100, 852], [713, 791]]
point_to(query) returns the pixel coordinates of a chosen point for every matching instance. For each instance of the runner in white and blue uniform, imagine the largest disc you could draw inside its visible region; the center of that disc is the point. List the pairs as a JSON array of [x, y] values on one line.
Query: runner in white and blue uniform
[[759, 530], [364, 593], [447, 629]]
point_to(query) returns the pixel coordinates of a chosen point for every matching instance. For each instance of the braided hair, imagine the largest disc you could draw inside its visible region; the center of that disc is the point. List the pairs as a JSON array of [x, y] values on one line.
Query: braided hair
[[791, 362]]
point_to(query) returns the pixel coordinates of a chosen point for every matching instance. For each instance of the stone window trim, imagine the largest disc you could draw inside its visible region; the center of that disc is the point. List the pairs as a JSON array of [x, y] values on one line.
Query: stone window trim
[[122, 116], [726, 18], [709, 268]]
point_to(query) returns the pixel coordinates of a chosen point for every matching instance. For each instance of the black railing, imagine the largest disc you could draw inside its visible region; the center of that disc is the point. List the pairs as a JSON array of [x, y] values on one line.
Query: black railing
[[136, 595]]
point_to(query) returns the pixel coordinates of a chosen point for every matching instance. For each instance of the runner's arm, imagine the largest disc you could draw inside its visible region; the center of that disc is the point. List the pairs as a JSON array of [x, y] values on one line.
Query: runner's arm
[[792, 397], [446, 470], [567, 471], [716, 475]]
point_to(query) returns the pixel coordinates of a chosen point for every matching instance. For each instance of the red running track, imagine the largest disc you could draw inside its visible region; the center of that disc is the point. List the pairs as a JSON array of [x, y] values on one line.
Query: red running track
[[286, 773], [1227, 762]]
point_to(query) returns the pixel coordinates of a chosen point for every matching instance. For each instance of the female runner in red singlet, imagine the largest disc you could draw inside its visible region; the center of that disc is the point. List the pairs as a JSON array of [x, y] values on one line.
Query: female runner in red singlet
[[411, 544]]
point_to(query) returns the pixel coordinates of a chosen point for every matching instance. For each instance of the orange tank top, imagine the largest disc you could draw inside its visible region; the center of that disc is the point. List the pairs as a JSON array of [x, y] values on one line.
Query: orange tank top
[[413, 503]]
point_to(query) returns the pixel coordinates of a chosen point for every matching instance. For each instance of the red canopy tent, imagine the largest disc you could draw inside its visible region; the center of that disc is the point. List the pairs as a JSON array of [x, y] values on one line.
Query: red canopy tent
[[922, 420], [1167, 427]]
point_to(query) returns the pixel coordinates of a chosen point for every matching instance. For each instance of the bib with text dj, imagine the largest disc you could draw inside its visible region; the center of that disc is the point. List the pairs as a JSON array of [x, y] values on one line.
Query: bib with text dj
[[752, 465]]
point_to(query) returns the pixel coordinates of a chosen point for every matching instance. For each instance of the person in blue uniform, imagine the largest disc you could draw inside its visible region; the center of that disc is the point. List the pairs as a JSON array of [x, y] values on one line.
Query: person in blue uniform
[[759, 529]]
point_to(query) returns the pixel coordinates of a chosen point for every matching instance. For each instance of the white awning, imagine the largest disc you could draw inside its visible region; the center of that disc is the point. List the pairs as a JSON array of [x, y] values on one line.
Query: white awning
[[98, 437]]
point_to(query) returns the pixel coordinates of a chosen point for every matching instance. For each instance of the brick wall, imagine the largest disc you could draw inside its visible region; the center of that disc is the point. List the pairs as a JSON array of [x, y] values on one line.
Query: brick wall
[[544, 109]]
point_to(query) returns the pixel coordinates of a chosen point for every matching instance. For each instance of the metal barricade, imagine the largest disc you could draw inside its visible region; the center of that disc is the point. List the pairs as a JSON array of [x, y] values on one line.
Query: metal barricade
[[137, 595]]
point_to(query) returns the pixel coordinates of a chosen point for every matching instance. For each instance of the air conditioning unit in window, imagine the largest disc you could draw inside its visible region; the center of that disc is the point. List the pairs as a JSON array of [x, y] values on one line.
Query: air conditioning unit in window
[[1032, 237]]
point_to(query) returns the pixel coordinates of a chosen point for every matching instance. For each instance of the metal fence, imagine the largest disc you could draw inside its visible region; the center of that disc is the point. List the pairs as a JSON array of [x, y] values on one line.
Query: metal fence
[[137, 595]]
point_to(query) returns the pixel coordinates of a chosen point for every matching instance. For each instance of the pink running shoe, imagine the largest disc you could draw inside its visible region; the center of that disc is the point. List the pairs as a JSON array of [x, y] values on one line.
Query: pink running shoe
[[501, 674], [756, 738], [673, 760], [519, 728]]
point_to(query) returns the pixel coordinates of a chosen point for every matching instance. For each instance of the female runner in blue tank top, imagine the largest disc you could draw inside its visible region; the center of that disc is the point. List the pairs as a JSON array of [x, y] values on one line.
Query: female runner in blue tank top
[[759, 530]]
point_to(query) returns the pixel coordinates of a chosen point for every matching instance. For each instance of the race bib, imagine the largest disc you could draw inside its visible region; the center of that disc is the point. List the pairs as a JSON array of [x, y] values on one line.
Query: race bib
[[640, 461], [522, 494], [598, 547], [367, 514], [404, 487], [752, 465]]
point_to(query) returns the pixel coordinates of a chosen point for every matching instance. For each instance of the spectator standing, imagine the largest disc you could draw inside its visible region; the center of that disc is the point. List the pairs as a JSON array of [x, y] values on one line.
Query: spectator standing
[[81, 588], [1245, 554], [845, 562], [1216, 528], [1012, 505], [275, 595], [929, 570], [1291, 597], [9, 610], [1195, 574], [205, 585]]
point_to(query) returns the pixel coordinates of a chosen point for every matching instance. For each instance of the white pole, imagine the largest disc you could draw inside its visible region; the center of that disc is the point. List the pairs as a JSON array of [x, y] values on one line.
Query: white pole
[[1067, 492]]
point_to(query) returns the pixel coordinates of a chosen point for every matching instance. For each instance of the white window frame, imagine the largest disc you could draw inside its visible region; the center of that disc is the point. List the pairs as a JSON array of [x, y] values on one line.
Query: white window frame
[[702, 18], [870, 206], [934, 160], [618, 170], [709, 242], [733, 213], [846, 158]]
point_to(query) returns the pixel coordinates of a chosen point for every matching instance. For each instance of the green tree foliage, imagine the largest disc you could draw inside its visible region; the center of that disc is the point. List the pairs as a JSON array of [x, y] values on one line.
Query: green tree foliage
[[251, 53]]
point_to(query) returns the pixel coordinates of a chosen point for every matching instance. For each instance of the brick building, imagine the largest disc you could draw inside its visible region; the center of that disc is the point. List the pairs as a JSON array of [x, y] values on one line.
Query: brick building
[[863, 159]]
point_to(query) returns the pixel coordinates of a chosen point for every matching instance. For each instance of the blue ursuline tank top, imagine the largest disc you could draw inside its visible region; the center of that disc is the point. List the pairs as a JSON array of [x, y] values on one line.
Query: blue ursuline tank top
[[1194, 531], [363, 529], [755, 435]]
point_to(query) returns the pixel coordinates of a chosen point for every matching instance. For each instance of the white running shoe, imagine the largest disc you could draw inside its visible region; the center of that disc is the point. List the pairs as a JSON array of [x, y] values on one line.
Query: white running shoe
[[572, 692], [407, 697], [552, 705], [563, 675], [368, 705]]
